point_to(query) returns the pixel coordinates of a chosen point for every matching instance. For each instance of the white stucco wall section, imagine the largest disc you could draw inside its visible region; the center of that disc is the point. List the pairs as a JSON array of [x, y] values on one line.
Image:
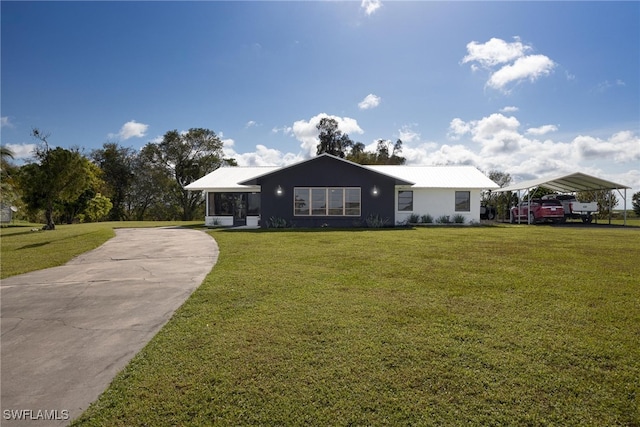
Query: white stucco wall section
[[438, 202]]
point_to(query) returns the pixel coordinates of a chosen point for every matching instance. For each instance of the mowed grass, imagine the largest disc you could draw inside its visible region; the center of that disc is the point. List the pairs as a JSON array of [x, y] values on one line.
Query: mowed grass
[[513, 325], [24, 250]]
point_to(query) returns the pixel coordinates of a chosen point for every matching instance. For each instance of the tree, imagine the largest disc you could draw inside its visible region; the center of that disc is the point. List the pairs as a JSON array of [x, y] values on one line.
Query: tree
[[8, 171], [606, 200], [186, 157], [332, 140], [116, 163], [97, 208], [381, 156], [501, 201], [635, 202], [58, 176]]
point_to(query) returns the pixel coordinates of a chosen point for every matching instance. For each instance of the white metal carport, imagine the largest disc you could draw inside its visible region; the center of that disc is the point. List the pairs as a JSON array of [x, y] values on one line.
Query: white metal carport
[[571, 183]]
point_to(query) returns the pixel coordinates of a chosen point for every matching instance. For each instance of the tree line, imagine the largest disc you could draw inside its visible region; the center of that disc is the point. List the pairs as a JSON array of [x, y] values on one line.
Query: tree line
[[114, 182], [118, 183]]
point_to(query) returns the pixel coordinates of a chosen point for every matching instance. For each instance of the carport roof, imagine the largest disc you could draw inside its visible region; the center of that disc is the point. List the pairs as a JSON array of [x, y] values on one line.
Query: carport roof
[[566, 184]]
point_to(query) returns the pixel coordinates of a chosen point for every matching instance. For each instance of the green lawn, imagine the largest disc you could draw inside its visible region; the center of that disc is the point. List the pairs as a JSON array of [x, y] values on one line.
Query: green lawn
[[506, 325], [24, 250]]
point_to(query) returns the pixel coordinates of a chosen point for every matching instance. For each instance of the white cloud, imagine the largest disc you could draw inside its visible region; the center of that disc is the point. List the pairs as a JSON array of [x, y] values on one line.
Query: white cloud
[[408, 135], [527, 68], [307, 133], [369, 101], [22, 151], [131, 129], [494, 52], [542, 130], [370, 6], [250, 123], [622, 147], [507, 62], [5, 122], [509, 109]]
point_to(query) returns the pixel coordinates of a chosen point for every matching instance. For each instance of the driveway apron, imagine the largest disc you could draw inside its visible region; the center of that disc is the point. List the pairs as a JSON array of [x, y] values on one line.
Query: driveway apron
[[66, 331]]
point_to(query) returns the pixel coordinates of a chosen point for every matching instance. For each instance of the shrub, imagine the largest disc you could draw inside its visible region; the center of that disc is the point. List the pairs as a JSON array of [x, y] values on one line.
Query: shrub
[[376, 221], [414, 218], [277, 222], [459, 219], [427, 219], [443, 219]]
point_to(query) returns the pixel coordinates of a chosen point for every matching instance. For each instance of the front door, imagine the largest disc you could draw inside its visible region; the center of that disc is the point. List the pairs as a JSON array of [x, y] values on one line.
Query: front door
[[240, 210]]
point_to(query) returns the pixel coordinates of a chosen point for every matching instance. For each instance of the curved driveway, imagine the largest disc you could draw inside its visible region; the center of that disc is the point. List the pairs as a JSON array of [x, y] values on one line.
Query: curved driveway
[[66, 331]]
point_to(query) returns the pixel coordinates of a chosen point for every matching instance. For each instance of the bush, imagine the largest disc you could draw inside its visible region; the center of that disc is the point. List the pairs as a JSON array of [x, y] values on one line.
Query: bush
[[443, 219], [458, 219], [427, 219], [277, 222], [414, 218], [376, 221]]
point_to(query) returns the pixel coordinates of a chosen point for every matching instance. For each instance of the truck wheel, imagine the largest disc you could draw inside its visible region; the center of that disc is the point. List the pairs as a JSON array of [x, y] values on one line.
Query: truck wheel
[[512, 218], [491, 215], [586, 219]]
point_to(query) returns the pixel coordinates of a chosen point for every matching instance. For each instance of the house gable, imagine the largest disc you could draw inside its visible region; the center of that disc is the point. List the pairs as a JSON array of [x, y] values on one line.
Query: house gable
[[282, 193]]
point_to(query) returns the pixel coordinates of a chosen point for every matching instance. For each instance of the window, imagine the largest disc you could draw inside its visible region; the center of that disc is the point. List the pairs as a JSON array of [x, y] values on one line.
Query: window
[[301, 201], [225, 204], [463, 201], [326, 201], [253, 204], [405, 200]]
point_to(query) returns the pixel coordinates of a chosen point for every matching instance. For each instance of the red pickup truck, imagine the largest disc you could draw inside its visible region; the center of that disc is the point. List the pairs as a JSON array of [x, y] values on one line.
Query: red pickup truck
[[541, 211]]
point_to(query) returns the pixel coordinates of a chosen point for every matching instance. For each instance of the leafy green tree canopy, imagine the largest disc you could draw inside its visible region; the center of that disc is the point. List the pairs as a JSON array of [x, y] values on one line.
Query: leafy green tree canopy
[[186, 157], [58, 176], [635, 202], [332, 140], [116, 164]]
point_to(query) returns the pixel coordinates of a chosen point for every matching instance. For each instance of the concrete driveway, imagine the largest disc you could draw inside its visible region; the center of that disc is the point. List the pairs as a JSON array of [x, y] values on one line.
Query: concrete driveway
[[66, 331]]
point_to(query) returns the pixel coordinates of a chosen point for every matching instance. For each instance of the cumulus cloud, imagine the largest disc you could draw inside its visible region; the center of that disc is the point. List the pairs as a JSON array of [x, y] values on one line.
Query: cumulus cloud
[[408, 135], [622, 147], [369, 101], [306, 132], [529, 68], [509, 109], [22, 151], [494, 52], [508, 63], [250, 123], [131, 129], [542, 130], [370, 6]]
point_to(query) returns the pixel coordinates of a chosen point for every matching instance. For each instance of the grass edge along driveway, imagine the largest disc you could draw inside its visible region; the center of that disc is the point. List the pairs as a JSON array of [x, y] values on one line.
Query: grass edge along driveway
[[438, 326]]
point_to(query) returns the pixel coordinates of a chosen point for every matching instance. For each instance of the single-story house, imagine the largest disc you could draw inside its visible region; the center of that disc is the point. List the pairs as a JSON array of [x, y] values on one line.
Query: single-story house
[[329, 191]]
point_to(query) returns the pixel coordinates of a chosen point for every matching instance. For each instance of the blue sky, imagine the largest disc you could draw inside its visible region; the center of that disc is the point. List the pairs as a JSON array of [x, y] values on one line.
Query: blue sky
[[530, 88]]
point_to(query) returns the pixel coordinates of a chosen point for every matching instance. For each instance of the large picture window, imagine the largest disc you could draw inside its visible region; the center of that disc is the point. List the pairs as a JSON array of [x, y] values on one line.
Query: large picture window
[[224, 204], [319, 201], [463, 201], [405, 200]]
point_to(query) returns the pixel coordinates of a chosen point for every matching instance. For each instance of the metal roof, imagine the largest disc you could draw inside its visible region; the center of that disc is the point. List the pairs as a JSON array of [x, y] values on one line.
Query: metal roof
[[439, 176], [566, 184], [227, 178]]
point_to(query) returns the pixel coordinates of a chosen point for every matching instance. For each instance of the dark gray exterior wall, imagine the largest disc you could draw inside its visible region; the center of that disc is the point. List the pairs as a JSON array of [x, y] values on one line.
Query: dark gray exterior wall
[[325, 171]]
